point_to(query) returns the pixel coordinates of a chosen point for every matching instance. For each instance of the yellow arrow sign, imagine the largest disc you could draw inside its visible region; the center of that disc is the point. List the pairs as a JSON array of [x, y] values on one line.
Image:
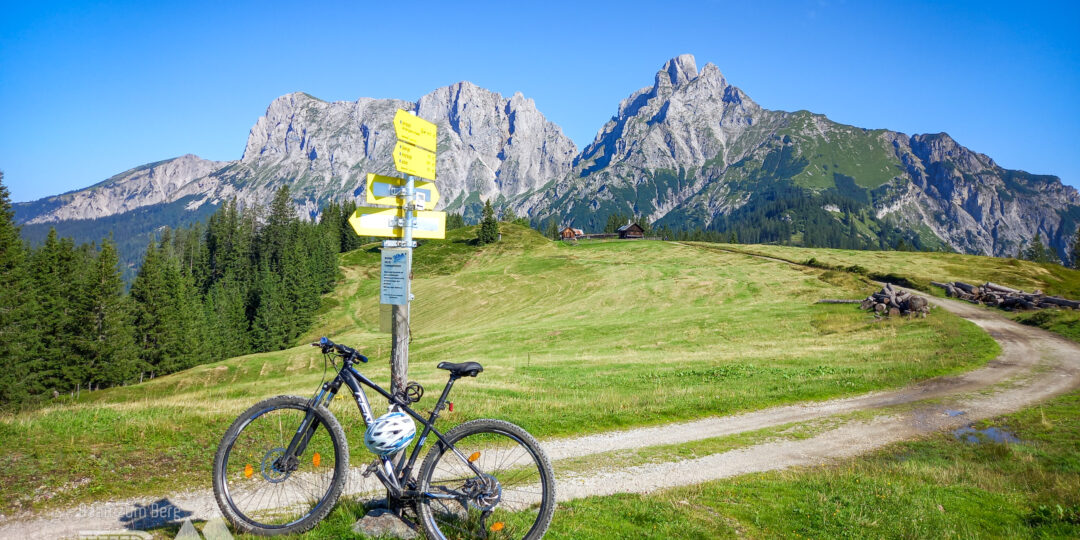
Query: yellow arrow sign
[[413, 160], [415, 130], [391, 191], [389, 222]]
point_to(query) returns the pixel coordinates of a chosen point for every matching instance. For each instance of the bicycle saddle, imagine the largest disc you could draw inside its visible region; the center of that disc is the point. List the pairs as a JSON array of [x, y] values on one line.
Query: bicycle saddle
[[464, 369]]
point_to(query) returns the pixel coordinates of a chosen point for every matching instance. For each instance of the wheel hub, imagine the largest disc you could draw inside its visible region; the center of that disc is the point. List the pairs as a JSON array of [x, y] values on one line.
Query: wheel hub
[[275, 468], [483, 492]]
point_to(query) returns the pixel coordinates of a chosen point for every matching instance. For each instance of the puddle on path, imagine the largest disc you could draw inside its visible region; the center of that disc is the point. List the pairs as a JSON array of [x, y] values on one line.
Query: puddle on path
[[953, 412], [971, 435]]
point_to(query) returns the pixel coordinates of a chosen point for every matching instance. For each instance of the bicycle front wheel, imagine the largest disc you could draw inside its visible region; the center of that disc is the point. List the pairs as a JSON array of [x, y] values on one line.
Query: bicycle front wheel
[[262, 490], [513, 496]]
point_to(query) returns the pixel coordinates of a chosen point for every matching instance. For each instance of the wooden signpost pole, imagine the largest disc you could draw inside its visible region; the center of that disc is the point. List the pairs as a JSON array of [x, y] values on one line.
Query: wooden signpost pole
[[399, 350]]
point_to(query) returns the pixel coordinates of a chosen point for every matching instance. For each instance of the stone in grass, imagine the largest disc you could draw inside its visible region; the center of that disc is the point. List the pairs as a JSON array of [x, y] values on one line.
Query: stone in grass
[[381, 523]]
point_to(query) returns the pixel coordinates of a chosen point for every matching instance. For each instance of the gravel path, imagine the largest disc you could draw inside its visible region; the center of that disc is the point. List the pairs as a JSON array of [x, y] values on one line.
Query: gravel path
[[1034, 365]]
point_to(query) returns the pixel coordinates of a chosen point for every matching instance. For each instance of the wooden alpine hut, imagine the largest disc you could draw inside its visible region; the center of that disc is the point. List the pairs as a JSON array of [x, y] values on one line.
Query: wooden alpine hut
[[631, 231]]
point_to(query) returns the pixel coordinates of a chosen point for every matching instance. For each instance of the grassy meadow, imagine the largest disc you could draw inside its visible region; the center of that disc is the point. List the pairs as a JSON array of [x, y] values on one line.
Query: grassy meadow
[[918, 269], [574, 339], [922, 267]]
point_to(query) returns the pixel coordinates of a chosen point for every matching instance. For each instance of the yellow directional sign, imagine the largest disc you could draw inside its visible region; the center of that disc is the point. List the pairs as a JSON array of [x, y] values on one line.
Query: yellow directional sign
[[389, 222], [413, 160], [391, 191], [415, 130]]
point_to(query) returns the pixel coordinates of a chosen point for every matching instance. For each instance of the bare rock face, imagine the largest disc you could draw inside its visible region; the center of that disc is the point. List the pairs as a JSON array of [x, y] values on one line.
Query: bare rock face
[[488, 146], [163, 181], [686, 121], [973, 204]]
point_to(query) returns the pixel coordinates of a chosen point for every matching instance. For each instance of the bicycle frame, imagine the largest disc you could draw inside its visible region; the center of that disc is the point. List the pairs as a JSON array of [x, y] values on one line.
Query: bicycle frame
[[394, 477]]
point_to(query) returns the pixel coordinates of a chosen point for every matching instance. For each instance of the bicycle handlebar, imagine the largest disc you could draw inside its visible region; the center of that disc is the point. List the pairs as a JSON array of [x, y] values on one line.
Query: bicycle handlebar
[[345, 352]]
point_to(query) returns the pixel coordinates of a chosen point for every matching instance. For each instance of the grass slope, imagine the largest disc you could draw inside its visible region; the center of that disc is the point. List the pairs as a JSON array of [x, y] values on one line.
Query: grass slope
[[922, 268], [574, 339], [919, 269]]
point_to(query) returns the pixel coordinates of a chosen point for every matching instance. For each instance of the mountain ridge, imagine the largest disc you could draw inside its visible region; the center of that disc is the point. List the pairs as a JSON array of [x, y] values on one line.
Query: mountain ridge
[[689, 151]]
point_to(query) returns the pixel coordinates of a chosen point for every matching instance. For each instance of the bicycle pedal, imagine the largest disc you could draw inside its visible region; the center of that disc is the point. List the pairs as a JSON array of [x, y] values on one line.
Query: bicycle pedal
[[370, 469]]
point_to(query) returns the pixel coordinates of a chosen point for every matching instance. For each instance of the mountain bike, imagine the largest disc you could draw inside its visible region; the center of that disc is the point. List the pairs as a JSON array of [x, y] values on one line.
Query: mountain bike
[[283, 463]]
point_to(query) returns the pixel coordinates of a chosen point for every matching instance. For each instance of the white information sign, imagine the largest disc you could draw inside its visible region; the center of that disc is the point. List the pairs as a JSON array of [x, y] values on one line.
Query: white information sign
[[395, 277]]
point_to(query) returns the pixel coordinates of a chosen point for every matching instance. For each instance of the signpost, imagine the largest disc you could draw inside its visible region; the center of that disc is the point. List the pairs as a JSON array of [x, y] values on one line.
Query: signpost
[[414, 160], [394, 288], [391, 222], [391, 191], [414, 155]]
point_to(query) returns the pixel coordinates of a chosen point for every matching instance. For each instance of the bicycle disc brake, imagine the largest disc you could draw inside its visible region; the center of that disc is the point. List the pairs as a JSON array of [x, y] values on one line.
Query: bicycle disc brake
[[275, 468], [483, 492]]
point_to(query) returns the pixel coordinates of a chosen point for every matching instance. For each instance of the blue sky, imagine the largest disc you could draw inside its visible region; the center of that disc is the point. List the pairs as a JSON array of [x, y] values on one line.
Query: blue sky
[[90, 89]]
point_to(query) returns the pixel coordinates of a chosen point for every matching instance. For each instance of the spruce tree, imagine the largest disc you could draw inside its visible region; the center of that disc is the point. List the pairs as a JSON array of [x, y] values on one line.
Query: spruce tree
[[454, 221], [1039, 253], [489, 227], [107, 353], [56, 268], [552, 229], [268, 329], [19, 338], [274, 236], [349, 239]]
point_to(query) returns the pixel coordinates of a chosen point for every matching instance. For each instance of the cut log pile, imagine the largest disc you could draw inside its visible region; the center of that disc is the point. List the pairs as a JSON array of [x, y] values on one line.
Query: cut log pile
[[1003, 297], [892, 302]]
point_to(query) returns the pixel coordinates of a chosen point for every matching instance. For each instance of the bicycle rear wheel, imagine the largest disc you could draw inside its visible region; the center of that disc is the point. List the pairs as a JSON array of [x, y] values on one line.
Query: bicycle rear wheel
[[513, 497], [262, 491]]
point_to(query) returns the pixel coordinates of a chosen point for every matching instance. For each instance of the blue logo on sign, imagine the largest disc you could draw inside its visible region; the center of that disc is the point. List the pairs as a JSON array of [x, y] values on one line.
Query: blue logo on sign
[[399, 258]]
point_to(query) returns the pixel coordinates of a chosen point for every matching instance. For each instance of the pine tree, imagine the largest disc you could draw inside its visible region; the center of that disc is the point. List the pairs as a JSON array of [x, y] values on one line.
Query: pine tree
[[20, 351], [454, 221], [552, 229], [489, 227], [169, 329], [56, 268], [1039, 253], [268, 329], [349, 239], [274, 236], [646, 225], [107, 354]]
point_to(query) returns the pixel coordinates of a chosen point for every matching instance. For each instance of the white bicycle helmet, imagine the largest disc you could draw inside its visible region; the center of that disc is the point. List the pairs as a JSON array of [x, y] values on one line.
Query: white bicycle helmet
[[389, 433]]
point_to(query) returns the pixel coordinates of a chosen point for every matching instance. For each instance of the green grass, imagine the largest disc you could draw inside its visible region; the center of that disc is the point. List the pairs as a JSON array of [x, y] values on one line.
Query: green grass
[[922, 268], [1060, 321], [940, 487], [574, 339], [917, 269]]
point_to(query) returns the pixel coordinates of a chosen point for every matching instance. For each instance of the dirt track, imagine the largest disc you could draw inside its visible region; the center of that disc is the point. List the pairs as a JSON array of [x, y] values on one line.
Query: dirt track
[[1034, 365]]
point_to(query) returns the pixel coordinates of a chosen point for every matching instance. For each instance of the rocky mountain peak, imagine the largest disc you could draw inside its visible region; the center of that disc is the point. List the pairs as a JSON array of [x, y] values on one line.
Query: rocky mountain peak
[[677, 71]]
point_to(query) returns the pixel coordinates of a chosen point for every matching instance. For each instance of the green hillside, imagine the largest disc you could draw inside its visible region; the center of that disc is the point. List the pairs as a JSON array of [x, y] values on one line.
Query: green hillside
[[574, 339], [922, 268]]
